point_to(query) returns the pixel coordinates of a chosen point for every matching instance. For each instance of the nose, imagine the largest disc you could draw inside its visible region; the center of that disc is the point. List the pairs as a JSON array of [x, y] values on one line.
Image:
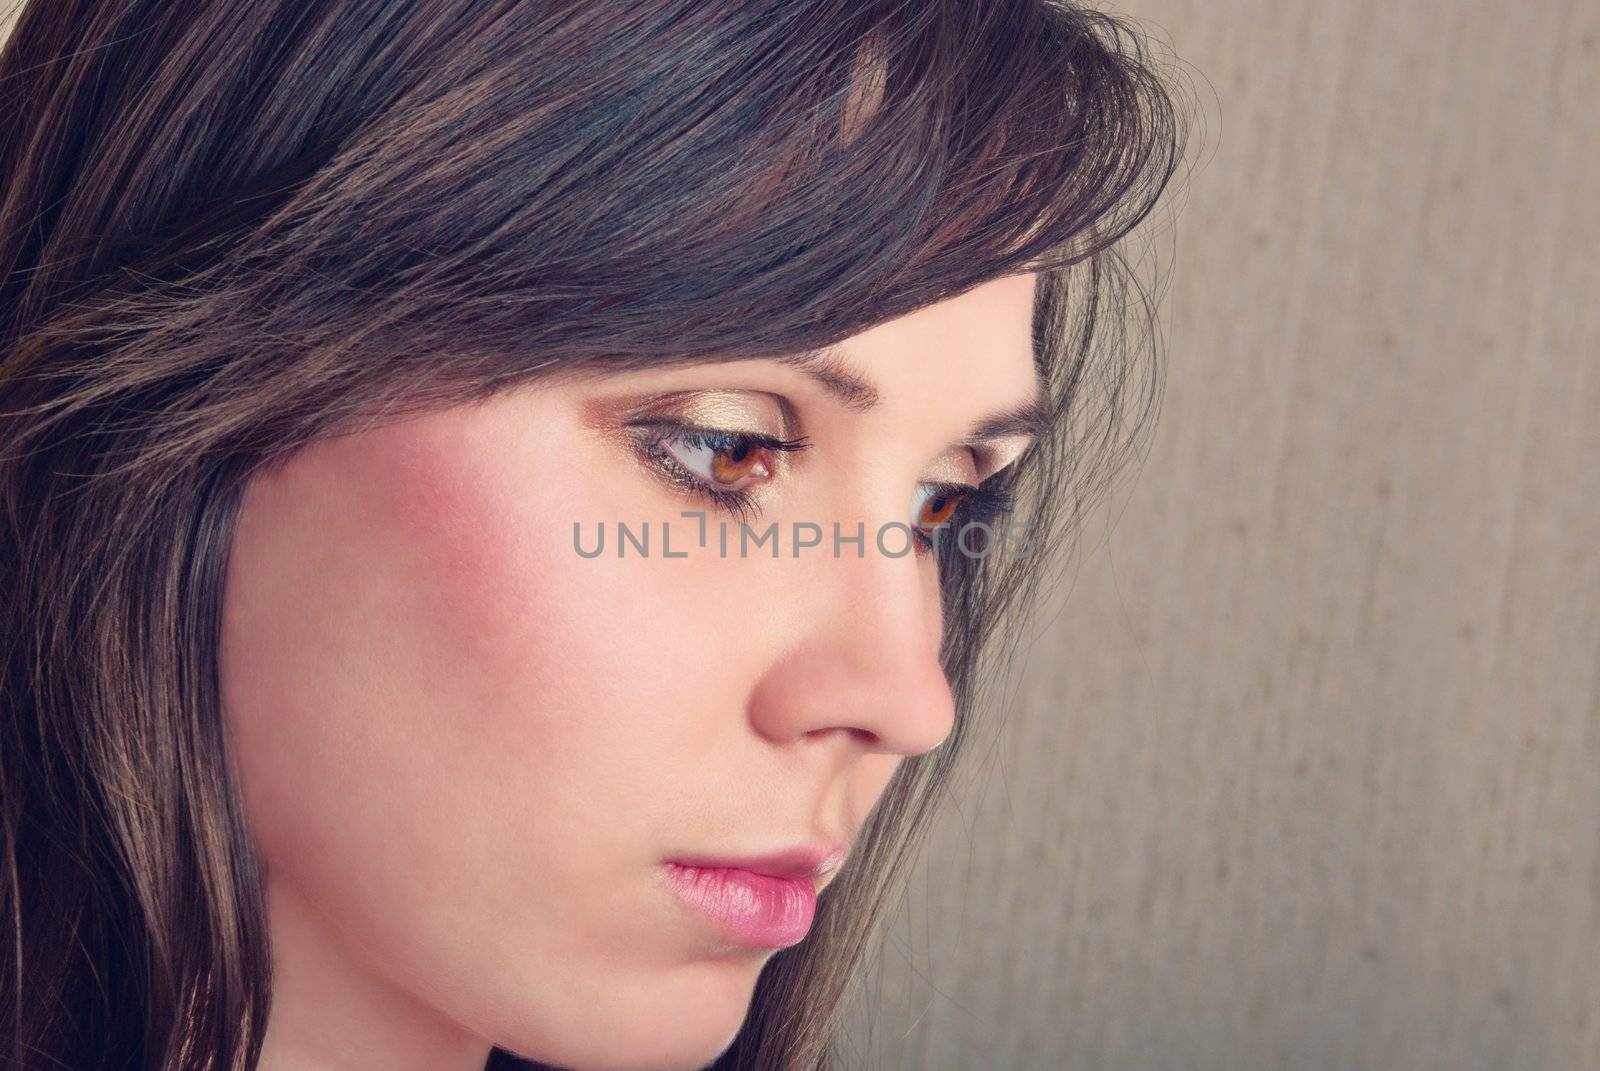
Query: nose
[[864, 666]]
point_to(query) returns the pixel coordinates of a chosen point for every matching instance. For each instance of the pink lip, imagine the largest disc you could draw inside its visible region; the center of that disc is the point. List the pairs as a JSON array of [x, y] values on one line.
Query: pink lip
[[763, 902]]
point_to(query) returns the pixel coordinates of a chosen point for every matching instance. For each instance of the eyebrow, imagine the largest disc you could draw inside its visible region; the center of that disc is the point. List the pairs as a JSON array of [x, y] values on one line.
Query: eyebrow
[[829, 368]]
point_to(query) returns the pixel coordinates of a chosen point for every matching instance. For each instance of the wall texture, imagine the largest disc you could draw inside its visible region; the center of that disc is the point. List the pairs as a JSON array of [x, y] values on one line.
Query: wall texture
[[1304, 769]]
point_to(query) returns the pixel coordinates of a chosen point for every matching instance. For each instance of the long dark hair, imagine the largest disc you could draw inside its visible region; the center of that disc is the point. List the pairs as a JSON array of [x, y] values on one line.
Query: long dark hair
[[230, 227]]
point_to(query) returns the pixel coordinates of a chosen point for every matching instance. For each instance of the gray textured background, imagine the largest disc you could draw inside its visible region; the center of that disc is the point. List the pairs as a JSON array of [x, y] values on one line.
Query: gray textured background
[[1304, 770]]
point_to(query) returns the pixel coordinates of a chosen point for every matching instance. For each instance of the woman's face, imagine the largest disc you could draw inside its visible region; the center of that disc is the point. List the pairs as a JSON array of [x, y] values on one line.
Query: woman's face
[[467, 751]]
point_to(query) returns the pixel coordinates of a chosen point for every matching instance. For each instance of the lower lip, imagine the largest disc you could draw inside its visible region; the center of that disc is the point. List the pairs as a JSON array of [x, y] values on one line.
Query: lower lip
[[752, 909]]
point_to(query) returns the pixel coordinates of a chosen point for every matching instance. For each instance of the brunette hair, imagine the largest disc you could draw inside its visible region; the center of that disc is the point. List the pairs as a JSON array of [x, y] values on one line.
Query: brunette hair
[[231, 227]]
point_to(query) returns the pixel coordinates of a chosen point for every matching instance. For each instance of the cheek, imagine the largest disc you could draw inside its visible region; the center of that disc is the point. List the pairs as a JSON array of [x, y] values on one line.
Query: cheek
[[451, 529], [580, 665], [468, 747], [400, 616], [450, 729]]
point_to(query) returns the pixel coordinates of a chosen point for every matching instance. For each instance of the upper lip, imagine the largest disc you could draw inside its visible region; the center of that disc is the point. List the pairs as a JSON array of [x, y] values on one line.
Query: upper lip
[[812, 860]]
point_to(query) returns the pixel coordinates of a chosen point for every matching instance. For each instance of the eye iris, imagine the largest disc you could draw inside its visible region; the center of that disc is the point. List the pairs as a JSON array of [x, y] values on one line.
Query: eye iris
[[938, 509], [734, 463]]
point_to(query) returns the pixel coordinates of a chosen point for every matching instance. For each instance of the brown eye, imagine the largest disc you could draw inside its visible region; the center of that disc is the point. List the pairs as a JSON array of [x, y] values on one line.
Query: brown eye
[[722, 459], [938, 507], [732, 464]]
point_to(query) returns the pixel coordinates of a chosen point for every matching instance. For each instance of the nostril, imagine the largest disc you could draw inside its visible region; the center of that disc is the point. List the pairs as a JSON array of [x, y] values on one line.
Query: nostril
[[857, 735], [863, 736]]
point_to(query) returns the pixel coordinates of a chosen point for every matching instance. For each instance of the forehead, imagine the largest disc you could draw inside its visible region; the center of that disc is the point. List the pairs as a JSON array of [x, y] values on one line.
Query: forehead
[[978, 344]]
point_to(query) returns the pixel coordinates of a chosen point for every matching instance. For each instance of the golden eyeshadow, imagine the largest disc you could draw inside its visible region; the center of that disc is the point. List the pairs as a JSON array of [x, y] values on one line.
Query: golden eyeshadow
[[742, 412], [954, 466], [996, 454]]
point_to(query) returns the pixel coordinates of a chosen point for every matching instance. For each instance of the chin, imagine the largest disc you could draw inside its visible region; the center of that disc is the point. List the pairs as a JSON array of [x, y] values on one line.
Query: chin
[[678, 1058], [682, 1023], [629, 1050]]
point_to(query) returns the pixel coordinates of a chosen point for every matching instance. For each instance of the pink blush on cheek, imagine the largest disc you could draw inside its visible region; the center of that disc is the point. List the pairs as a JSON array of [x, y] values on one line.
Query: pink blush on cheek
[[464, 603], [456, 546]]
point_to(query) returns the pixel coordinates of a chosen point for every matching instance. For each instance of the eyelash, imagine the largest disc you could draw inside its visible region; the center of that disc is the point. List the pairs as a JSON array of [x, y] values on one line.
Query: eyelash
[[976, 504]]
